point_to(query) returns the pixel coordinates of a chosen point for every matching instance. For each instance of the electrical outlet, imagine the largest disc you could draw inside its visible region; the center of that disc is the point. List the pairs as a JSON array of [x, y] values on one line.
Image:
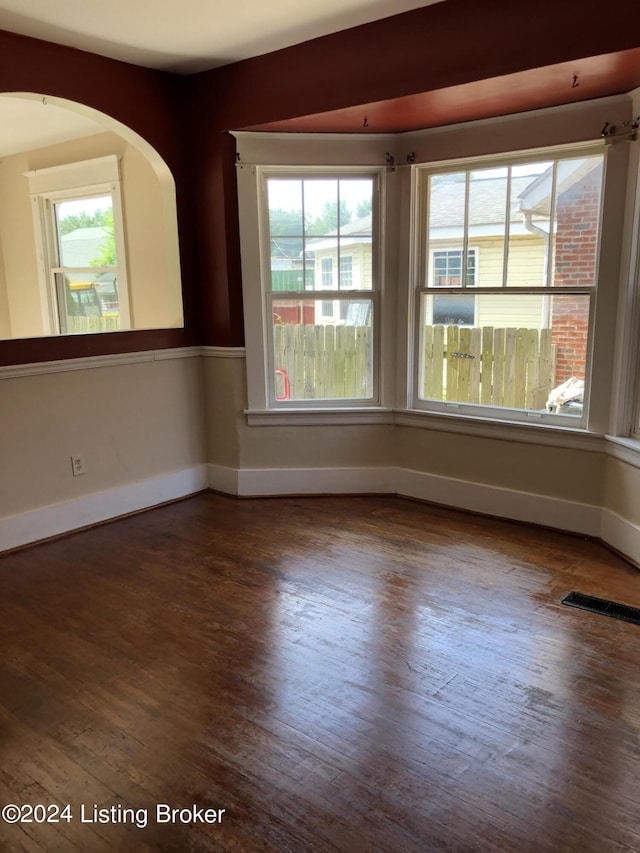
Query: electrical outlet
[[77, 464]]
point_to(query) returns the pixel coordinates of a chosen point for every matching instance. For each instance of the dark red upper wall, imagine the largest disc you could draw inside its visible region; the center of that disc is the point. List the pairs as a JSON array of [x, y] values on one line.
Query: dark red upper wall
[[435, 47], [458, 44], [151, 103]]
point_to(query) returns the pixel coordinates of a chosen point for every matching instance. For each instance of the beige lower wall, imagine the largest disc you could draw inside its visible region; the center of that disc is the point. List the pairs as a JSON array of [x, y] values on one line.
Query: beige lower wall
[[622, 490], [225, 402], [571, 475], [131, 421], [137, 421]]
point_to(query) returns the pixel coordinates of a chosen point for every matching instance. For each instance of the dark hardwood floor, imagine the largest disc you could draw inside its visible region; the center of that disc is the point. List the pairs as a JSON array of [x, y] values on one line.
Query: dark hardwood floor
[[337, 674]]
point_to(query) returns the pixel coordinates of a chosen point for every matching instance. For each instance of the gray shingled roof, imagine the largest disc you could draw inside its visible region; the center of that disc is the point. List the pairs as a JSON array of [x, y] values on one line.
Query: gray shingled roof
[[486, 202], [79, 247]]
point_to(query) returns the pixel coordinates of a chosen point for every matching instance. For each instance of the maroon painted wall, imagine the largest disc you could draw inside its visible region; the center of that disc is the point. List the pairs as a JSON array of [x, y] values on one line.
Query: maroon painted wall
[[435, 47], [152, 104]]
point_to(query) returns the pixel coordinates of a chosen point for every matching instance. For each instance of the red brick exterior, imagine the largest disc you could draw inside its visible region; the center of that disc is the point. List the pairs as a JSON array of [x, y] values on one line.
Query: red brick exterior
[[577, 215]]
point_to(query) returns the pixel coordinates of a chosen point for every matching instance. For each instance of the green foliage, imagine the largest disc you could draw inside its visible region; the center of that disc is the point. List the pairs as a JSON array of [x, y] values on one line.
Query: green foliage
[[106, 256], [364, 208], [287, 225], [84, 220], [327, 222]]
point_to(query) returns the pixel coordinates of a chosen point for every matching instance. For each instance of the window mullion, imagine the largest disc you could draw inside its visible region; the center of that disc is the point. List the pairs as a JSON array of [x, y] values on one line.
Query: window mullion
[[465, 238], [552, 216], [507, 230]]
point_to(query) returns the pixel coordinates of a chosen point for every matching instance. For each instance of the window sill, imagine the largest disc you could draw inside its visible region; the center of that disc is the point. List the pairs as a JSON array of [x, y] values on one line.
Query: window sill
[[528, 433], [539, 434], [625, 449], [319, 417]]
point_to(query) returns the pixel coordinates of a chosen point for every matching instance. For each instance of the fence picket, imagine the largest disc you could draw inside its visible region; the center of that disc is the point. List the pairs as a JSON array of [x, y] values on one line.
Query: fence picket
[[486, 366]]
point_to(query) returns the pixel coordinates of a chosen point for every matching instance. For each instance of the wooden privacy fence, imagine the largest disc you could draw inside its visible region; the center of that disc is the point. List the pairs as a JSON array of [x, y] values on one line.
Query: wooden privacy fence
[[323, 362], [87, 325], [494, 367], [514, 368]]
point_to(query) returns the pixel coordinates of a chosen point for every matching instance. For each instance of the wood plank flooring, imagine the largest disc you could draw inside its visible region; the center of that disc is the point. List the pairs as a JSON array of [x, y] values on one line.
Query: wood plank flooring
[[337, 674]]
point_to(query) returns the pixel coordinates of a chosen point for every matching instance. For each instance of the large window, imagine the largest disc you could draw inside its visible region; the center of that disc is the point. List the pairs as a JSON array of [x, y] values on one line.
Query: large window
[[320, 281], [78, 223], [524, 235], [499, 295]]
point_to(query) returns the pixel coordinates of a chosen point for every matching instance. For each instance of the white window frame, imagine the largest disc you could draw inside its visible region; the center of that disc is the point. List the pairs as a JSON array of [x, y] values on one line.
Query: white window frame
[[589, 420], [86, 179], [295, 158]]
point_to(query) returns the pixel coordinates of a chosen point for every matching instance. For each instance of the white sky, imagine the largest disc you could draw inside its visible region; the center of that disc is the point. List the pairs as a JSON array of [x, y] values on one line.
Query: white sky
[[83, 205], [286, 193]]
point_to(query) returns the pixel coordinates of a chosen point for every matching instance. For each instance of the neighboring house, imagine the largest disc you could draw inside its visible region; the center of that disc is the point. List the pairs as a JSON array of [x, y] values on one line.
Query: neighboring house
[[343, 263]]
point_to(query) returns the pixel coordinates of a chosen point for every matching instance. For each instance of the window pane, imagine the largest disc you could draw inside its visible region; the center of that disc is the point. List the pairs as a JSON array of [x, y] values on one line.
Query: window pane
[[487, 218], [447, 195], [320, 232], [322, 349], [285, 207], [519, 353], [530, 225], [322, 263], [320, 206], [85, 237], [85, 233], [356, 211], [577, 221], [288, 268], [83, 307]]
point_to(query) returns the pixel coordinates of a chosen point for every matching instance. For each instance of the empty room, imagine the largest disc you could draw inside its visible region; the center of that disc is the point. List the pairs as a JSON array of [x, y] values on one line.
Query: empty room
[[320, 426]]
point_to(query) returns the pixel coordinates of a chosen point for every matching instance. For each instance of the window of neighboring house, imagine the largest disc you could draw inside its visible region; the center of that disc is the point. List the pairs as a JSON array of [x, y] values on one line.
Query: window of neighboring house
[[79, 233], [456, 308], [521, 341], [322, 335], [326, 273]]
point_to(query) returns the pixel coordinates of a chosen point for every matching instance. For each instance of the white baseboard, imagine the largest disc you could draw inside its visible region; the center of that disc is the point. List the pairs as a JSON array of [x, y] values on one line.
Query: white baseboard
[[223, 479], [44, 522], [47, 521], [477, 497], [621, 534], [503, 503], [315, 481]]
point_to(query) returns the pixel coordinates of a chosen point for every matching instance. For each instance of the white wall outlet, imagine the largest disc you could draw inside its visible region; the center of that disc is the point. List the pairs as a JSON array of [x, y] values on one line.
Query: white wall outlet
[[77, 464]]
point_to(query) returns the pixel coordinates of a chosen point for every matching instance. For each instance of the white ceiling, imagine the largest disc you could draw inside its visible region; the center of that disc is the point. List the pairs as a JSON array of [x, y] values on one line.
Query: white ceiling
[[190, 35], [183, 37]]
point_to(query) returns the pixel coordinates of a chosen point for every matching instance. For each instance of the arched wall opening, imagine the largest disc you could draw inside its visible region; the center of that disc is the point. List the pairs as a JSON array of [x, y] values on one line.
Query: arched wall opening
[[45, 135]]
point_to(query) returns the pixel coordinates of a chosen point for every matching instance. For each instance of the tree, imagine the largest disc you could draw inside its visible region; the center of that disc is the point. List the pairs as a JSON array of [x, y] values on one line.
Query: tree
[[364, 208], [106, 256], [327, 221], [83, 220], [285, 224]]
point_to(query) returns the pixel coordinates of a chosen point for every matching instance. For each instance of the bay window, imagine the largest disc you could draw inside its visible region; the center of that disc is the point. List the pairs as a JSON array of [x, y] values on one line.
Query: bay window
[[523, 234], [478, 291]]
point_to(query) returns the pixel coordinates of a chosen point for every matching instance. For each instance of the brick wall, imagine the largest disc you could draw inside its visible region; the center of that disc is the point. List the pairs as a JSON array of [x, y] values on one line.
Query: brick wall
[[577, 214]]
